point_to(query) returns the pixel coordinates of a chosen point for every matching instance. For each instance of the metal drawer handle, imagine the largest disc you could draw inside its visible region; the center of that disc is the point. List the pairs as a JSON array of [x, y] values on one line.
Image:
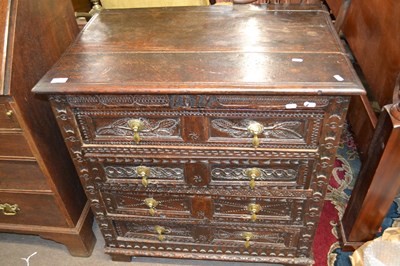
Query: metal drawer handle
[[152, 204], [253, 173], [255, 129], [9, 113], [144, 173], [160, 231], [254, 208], [9, 209], [136, 125], [247, 236]]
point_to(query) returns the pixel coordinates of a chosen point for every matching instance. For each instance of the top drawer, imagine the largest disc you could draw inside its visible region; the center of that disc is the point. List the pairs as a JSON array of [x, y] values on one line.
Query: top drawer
[[271, 124], [7, 115]]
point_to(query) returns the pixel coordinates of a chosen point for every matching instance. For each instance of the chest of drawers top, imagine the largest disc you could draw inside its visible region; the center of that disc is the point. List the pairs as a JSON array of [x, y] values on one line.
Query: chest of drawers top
[[208, 50]]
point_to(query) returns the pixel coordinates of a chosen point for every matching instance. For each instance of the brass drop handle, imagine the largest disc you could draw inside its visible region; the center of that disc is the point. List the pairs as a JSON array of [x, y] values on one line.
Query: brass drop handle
[[161, 231], [255, 129], [253, 173], [9, 209], [136, 125], [254, 208], [144, 173], [247, 236], [9, 113], [152, 204]]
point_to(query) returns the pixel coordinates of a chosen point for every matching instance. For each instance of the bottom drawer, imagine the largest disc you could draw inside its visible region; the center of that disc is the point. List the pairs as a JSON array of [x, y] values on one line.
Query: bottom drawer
[[30, 209], [191, 237]]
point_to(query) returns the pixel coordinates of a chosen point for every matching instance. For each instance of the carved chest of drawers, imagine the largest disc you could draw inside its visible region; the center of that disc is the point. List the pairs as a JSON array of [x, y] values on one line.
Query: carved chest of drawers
[[205, 132]]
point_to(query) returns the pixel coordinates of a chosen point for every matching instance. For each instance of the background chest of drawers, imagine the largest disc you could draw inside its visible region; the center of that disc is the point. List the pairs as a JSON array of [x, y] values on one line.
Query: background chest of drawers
[[37, 178], [209, 141]]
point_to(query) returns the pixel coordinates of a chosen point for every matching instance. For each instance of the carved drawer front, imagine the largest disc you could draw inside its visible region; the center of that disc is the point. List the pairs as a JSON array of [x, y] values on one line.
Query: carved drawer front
[[215, 208], [142, 174], [147, 205], [116, 126], [288, 173], [227, 174], [251, 129], [229, 239], [259, 210], [266, 129]]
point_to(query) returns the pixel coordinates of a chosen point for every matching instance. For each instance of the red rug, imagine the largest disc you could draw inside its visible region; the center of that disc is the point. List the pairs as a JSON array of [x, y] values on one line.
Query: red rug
[[347, 165], [346, 168]]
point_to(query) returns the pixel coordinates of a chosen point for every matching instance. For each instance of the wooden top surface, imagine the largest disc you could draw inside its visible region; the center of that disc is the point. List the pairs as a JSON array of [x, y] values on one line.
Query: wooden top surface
[[215, 49]]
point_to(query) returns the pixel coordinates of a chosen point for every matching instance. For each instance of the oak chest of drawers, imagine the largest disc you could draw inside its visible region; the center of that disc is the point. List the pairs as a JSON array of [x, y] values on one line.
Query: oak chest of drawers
[[207, 132]]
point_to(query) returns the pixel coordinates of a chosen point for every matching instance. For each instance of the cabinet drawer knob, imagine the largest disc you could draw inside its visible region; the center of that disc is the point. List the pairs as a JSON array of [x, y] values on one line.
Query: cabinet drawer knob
[[9, 113], [136, 125], [144, 173], [161, 231], [255, 129], [9, 209], [152, 204], [247, 237], [254, 208], [253, 173]]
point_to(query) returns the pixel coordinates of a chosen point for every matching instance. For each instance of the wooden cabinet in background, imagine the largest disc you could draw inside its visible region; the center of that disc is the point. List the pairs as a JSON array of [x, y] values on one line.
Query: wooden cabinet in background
[[40, 191]]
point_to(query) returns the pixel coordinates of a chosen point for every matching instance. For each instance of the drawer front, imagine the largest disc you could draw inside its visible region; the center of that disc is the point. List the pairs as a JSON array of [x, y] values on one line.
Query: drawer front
[[274, 129], [22, 175], [14, 145], [34, 209], [217, 209], [147, 205], [8, 119], [223, 174], [234, 237]]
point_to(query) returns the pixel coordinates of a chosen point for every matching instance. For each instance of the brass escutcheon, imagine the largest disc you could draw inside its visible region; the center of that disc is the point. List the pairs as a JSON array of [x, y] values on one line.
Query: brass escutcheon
[[152, 204], [247, 236], [253, 173], [9, 113], [9, 209], [136, 125], [144, 173], [254, 208], [160, 231], [255, 129]]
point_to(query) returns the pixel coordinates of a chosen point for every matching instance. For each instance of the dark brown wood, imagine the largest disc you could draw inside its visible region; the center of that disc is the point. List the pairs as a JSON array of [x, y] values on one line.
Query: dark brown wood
[[33, 35], [158, 123], [375, 48], [334, 6], [81, 5], [378, 182], [363, 120]]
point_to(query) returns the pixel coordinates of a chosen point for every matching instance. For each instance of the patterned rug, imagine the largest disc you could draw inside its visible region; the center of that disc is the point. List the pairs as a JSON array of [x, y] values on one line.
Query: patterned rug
[[347, 166]]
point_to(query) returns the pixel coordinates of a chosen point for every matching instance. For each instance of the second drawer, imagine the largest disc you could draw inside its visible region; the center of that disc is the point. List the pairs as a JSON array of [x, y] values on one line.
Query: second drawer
[[250, 210]]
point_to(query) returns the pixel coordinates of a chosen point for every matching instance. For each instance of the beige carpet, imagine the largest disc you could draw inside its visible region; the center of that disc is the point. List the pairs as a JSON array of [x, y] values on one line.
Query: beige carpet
[[14, 247]]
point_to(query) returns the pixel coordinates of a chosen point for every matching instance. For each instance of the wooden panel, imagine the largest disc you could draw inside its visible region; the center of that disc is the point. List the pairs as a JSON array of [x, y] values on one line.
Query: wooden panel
[[14, 144], [22, 175], [35, 209], [4, 19], [372, 31]]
